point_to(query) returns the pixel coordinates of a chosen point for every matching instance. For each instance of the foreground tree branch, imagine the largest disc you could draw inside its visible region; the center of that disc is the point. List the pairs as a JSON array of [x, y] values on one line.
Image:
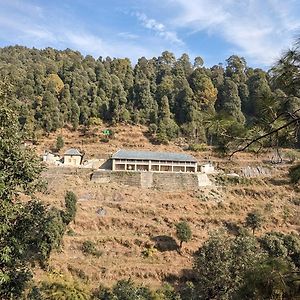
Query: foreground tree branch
[[294, 121]]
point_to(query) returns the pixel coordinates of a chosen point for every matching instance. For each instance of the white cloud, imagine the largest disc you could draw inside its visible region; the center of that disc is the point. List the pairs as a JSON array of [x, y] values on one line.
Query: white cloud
[[257, 29], [128, 35], [159, 29], [20, 26], [23, 7]]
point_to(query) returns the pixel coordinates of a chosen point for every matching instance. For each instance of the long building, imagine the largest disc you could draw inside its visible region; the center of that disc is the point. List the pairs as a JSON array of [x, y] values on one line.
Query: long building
[[126, 160]]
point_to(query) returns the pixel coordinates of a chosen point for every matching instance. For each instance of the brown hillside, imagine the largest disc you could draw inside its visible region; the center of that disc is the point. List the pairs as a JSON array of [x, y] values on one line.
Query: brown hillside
[[125, 222]]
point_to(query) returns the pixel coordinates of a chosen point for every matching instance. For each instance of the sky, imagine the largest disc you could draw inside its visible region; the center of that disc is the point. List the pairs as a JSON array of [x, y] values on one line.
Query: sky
[[258, 30]]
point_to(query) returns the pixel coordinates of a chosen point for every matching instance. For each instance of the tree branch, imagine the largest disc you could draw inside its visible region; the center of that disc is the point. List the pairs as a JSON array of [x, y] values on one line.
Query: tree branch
[[265, 135]]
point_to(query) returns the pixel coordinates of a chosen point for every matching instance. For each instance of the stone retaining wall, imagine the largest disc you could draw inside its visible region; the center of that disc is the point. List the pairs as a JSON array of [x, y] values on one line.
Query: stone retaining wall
[[161, 181]]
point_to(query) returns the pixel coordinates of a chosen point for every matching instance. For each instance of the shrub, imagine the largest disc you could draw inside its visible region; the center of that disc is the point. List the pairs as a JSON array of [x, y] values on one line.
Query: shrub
[[148, 252], [89, 248], [124, 290], [183, 232], [152, 128], [198, 147], [254, 220], [294, 173], [70, 202], [59, 143], [60, 288], [104, 140]]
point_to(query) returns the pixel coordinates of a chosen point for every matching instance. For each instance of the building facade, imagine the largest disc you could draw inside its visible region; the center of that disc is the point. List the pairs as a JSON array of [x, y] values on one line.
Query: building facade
[[72, 157], [125, 160]]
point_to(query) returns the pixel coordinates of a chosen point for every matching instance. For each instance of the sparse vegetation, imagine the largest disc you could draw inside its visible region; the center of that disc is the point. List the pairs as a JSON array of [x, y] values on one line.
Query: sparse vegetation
[[90, 248], [197, 147], [294, 173]]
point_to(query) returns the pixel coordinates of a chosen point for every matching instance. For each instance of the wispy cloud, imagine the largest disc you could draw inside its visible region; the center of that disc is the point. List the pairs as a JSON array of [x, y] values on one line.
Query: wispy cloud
[[159, 28], [128, 35], [257, 29], [20, 26]]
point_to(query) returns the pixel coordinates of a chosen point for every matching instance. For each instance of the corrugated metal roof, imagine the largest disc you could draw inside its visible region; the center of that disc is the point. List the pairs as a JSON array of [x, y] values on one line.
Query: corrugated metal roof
[[73, 151], [149, 155]]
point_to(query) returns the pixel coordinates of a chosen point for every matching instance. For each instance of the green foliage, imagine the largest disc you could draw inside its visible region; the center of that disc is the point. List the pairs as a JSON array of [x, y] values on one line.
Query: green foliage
[[123, 290], [220, 264], [270, 279], [104, 140], [233, 180], [148, 252], [59, 143], [294, 174], [90, 248], [197, 147], [287, 246], [254, 220], [30, 230], [50, 91], [62, 289], [70, 203], [183, 232]]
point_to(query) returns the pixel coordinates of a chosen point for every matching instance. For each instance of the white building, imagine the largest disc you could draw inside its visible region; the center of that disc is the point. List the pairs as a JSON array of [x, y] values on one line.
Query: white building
[[125, 160], [72, 157]]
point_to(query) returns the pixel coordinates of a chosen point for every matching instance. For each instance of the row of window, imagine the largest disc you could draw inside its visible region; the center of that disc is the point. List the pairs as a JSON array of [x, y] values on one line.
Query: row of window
[[131, 167], [155, 162]]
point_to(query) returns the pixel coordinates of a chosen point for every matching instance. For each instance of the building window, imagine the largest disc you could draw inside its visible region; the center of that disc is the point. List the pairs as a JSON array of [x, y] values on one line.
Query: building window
[[130, 167], [120, 167], [154, 168]]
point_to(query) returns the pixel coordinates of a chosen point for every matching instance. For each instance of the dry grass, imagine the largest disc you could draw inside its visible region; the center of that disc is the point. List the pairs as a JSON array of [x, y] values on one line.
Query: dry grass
[[124, 221]]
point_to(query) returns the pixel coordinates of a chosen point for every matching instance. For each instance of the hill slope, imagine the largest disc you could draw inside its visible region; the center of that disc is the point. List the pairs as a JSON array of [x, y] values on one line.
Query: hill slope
[[125, 222]]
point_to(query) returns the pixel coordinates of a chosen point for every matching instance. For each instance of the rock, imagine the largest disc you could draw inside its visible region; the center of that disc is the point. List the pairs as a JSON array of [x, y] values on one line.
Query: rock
[[85, 197], [101, 212]]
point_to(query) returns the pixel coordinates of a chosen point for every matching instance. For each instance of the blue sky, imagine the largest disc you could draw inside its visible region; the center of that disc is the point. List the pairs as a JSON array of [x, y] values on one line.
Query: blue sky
[[259, 30]]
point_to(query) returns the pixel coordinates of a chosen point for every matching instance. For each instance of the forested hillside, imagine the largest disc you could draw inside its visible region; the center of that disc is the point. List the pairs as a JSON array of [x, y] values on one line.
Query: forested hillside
[[106, 241], [173, 96]]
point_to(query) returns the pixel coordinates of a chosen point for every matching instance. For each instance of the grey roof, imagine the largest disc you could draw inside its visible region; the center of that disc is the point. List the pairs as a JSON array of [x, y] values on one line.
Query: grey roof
[[73, 151], [149, 155]]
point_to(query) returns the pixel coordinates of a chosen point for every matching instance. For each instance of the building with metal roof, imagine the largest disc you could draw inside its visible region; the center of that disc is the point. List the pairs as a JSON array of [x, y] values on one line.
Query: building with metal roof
[[72, 157], [128, 160], [72, 151]]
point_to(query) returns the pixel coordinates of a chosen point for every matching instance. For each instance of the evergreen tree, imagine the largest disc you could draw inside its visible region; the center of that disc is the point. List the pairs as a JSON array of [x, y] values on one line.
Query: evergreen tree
[[230, 102]]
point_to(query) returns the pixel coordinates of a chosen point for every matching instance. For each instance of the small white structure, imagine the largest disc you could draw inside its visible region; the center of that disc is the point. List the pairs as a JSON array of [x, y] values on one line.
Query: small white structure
[[51, 158], [207, 168], [72, 157]]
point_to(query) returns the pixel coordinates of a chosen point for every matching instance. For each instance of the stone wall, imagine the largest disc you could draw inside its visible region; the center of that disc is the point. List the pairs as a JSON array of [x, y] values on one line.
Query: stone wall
[[126, 178], [161, 181]]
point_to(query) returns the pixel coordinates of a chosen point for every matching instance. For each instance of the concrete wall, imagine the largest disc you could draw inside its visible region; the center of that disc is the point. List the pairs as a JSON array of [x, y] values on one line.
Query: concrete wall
[[72, 160], [161, 181]]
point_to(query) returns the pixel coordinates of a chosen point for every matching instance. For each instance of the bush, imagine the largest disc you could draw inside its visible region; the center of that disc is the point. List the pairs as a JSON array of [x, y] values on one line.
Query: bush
[[123, 290], [60, 288], [59, 143], [183, 232], [148, 252], [104, 140], [89, 248], [254, 220], [198, 147], [294, 173], [152, 128]]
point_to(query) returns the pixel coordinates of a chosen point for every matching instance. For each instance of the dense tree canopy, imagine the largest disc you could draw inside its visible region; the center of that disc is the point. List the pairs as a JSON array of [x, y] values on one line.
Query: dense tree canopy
[[29, 230], [52, 88]]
